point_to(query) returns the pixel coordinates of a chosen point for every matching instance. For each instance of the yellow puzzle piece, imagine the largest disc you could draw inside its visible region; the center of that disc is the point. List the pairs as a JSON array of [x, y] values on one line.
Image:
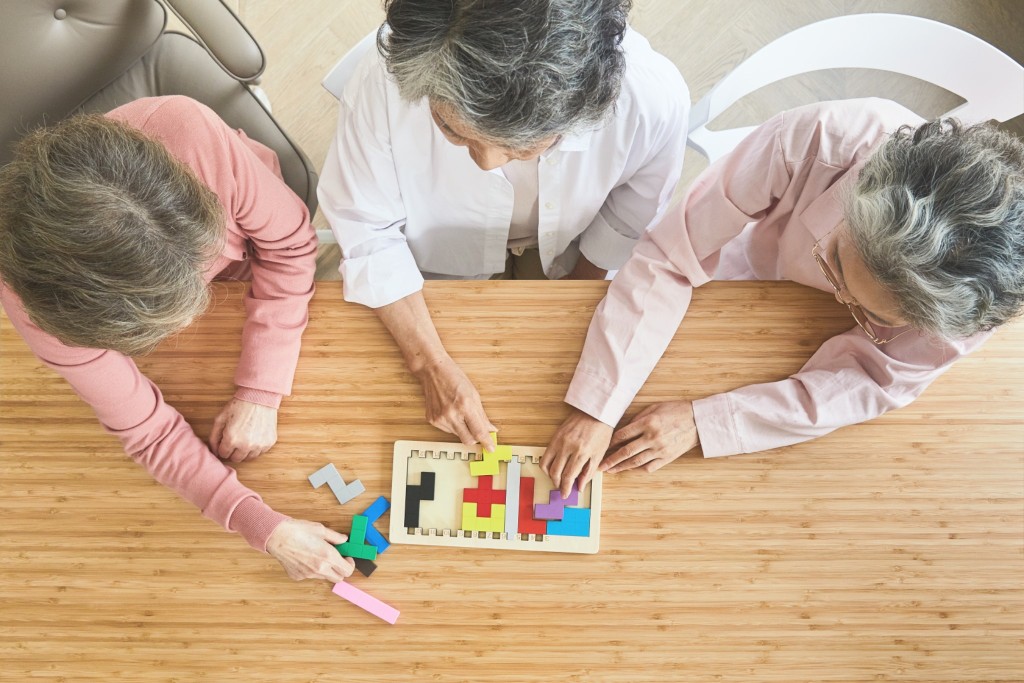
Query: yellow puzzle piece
[[489, 465], [470, 522]]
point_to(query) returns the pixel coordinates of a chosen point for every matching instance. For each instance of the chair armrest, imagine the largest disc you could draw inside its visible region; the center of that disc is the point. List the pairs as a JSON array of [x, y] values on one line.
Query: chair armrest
[[223, 35]]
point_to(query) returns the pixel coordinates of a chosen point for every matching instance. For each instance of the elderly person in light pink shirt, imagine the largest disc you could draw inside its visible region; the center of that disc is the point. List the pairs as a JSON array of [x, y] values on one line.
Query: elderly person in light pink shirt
[[111, 228], [918, 228]]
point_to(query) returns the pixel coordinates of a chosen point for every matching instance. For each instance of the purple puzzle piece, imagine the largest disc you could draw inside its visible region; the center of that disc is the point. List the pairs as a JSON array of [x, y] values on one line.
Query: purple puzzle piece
[[555, 507]]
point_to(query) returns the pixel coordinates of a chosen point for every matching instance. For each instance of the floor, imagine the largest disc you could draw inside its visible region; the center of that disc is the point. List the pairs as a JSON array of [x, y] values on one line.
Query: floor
[[705, 38]]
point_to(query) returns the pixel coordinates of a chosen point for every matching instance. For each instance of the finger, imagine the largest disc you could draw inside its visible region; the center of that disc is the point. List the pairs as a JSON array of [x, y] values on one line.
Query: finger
[[629, 432], [625, 452], [251, 454], [333, 537], [569, 474], [459, 429], [631, 463], [556, 466], [588, 473], [656, 464], [477, 423], [215, 436], [236, 455]]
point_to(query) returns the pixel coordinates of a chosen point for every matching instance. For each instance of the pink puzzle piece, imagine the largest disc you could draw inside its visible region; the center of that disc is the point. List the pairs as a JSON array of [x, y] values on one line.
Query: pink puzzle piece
[[366, 602], [555, 507]]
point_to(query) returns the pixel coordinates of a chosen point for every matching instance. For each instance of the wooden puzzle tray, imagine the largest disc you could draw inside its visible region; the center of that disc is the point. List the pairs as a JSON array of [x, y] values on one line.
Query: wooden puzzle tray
[[445, 494]]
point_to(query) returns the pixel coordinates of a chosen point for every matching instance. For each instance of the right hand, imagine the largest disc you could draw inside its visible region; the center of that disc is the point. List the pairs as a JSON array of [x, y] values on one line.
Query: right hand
[[306, 551], [453, 404], [576, 451]]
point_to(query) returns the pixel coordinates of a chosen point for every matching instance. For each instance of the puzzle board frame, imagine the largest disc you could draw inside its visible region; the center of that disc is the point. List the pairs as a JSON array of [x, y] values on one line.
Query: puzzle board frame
[[450, 461]]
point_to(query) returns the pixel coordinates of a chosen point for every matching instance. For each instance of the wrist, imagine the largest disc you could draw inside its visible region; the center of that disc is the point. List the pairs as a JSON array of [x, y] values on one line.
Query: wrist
[[423, 365]]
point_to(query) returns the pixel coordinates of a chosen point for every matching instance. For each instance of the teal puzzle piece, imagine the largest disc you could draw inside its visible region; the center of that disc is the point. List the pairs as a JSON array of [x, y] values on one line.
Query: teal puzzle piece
[[575, 522]]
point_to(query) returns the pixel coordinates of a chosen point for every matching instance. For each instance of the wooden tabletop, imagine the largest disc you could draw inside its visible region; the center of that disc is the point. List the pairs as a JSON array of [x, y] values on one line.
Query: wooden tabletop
[[888, 551]]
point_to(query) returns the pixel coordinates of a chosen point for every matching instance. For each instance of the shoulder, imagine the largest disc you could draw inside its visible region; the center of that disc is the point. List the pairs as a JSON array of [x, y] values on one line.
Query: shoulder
[[192, 133], [653, 93], [839, 132], [171, 119]]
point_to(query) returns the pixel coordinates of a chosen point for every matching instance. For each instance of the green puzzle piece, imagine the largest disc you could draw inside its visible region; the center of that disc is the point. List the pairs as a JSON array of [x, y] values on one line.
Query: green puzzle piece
[[363, 552], [356, 546]]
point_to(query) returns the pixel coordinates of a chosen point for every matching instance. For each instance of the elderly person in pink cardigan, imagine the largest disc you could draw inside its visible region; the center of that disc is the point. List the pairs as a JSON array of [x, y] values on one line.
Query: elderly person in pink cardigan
[[111, 228], [917, 228]]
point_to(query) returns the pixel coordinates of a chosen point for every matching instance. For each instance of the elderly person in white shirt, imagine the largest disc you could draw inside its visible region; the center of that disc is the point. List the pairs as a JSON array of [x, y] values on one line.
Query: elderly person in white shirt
[[495, 138]]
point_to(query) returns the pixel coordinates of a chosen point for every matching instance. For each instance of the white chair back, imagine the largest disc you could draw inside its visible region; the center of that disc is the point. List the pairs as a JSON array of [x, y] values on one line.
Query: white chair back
[[990, 81]]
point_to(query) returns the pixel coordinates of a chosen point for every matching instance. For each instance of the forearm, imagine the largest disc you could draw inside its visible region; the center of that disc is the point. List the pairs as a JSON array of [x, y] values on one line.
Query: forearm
[[409, 323]]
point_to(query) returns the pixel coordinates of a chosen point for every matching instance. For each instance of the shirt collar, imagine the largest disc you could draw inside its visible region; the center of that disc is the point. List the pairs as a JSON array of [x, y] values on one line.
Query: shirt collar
[[574, 142]]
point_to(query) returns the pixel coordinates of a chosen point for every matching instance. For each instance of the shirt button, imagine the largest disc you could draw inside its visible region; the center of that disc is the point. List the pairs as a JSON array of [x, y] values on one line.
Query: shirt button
[[552, 161], [549, 252], [549, 205]]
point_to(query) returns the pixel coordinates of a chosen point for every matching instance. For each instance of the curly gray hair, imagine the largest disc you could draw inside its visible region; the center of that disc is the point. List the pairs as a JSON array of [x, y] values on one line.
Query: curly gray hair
[[937, 214], [518, 71], [105, 236]]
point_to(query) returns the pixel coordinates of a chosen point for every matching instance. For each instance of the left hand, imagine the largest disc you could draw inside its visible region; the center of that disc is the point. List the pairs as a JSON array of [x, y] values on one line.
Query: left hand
[[243, 431], [659, 434]]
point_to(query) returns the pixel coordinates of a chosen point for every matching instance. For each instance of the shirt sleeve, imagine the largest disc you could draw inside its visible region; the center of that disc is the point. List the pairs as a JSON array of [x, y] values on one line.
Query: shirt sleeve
[[154, 434], [848, 380], [638, 202], [274, 222], [361, 199], [648, 298]]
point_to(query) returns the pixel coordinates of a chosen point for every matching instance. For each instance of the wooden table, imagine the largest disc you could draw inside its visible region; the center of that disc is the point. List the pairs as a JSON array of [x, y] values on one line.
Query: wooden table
[[889, 551]]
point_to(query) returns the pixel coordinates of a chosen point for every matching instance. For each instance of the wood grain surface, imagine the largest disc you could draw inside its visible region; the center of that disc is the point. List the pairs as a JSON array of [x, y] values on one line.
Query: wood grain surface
[[888, 551]]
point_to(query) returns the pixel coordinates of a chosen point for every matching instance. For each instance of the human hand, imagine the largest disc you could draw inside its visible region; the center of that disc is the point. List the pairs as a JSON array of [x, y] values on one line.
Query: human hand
[[306, 551], [243, 431], [575, 451], [453, 403], [659, 434]]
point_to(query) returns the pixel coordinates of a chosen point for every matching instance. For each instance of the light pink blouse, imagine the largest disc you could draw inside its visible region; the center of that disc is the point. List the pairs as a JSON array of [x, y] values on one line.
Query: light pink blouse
[[267, 226], [756, 214]]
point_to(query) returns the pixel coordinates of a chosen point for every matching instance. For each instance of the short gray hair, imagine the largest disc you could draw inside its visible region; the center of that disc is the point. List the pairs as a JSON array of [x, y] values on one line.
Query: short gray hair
[[105, 236], [937, 214], [517, 71]]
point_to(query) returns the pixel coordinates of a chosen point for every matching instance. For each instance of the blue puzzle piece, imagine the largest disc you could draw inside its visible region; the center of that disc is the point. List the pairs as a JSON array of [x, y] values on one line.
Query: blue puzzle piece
[[379, 507], [575, 522], [376, 539]]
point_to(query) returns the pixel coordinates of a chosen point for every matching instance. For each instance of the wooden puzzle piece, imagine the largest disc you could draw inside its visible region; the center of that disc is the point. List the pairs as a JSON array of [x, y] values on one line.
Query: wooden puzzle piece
[[328, 474], [489, 464], [414, 493], [366, 601], [484, 496], [527, 524], [470, 521], [376, 539], [372, 514], [365, 567], [378, 508], [512, 475], [356, 546], [555, 506], [575, 522]]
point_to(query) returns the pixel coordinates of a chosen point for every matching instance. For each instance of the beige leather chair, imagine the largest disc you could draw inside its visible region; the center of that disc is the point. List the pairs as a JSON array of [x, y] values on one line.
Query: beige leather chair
[[61, 57]]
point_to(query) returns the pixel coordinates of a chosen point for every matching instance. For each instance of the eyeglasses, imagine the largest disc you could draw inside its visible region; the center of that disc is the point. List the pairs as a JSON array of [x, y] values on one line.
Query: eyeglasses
[[855, 310]]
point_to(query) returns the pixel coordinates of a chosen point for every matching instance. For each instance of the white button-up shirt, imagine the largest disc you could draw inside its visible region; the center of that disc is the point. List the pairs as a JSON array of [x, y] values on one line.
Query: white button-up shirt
[[401, 199]]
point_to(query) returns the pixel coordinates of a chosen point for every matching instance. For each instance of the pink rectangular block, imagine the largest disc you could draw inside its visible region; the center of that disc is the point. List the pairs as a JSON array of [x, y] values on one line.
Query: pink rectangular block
[[366, 601]]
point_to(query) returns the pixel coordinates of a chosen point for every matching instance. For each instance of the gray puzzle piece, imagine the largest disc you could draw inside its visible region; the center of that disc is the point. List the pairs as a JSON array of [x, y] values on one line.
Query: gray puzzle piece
[[328, 474]]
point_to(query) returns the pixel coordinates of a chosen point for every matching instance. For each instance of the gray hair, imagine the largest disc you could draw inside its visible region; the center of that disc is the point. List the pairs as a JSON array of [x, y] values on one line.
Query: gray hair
[[518, 71], [105, 236], [937, 214]]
